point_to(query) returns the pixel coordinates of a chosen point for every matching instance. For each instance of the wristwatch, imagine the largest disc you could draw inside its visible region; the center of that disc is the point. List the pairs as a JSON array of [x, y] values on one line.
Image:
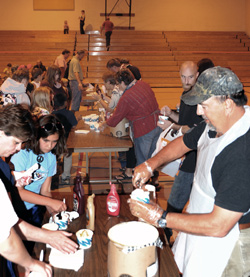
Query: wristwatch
[[162, 222]]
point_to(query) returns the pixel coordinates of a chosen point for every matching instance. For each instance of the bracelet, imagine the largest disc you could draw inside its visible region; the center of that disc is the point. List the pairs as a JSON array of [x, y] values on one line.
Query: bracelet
[[149, 168]]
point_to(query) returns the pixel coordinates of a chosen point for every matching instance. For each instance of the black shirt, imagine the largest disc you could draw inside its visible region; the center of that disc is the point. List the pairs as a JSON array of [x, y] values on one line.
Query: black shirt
[[230, 172], [188, 116]]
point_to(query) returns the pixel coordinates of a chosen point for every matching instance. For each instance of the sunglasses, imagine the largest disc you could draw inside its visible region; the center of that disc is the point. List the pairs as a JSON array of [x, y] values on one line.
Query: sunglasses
[[50, 126]]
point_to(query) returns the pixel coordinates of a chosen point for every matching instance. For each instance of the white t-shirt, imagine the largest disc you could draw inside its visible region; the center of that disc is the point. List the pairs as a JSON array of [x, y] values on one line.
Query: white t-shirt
[[8, 216]]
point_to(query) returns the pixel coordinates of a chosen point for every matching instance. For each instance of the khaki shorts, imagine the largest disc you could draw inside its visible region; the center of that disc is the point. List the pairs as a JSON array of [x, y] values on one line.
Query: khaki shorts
[[239, 262]]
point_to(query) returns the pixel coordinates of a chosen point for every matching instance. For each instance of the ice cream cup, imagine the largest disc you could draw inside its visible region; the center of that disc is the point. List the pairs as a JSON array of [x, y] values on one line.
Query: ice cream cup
[[140, 195], [162, 118], [50, 226], [62, 220], [84, 238]]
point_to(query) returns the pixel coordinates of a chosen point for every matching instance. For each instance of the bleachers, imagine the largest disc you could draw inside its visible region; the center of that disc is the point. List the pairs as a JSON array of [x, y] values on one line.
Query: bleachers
[[157, 54]]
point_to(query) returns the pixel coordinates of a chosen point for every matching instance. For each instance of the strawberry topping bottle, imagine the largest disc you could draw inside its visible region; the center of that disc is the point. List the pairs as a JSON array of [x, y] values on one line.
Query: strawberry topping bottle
[[113, 201]]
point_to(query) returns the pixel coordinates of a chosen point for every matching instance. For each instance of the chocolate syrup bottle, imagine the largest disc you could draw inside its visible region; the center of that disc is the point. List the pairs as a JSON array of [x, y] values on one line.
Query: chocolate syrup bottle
[[78, 195]]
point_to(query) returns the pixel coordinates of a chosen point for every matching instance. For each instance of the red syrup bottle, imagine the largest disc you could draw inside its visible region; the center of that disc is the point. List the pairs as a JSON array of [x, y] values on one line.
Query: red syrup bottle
[[113, 201]]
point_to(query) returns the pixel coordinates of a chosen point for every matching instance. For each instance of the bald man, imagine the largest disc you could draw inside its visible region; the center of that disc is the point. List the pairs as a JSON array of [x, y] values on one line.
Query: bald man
[[185, 119]]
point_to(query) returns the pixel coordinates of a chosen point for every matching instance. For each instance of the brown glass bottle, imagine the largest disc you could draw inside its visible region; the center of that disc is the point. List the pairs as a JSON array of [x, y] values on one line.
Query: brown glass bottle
[[78, 195]]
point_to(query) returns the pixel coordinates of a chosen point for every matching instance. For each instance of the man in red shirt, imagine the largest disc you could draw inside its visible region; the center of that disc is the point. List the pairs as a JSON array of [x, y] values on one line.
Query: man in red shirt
[[138, 104], [108, 25]]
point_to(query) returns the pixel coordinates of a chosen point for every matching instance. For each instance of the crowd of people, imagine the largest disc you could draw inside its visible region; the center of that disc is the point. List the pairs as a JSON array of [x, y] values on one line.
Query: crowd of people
[[40, 117], [38, 106]]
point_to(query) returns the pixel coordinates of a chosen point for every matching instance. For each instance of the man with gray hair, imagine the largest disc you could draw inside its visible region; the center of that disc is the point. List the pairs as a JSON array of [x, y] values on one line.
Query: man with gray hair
[[214, 238], [75, 79]]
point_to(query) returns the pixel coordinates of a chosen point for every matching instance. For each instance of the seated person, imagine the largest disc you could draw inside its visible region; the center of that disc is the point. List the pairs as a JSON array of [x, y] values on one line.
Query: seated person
[[36, 76], [7, 71], [39, 64], [116, 65], [107, 103], [41, 101], [16, 87]]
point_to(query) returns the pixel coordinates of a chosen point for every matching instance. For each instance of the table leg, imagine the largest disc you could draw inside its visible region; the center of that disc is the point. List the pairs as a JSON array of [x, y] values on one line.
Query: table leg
[[87, 163], [110, 167]]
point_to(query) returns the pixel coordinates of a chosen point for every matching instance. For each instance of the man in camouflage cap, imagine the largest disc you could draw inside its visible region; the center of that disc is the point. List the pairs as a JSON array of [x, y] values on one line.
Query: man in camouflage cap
[[214, 82], [214, 238]]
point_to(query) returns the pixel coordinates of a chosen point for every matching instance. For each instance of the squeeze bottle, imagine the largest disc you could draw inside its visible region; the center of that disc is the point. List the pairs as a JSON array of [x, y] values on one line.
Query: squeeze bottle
[[90, 213], [78, 195], [113, 201]]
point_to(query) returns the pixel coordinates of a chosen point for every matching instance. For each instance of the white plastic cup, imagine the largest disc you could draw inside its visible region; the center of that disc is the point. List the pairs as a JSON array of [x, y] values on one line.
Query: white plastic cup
[[50, 226], [162, 118], [84, 238], [63, 222], [140, 195]]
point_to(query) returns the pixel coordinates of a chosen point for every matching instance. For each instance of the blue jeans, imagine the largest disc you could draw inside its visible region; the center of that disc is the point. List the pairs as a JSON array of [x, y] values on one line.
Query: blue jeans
[[76, 95], [181, 189], [145, 145]]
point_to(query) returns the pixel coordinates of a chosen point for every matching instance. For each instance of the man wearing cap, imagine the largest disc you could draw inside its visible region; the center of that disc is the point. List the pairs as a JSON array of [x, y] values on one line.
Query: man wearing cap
[[214, 238]]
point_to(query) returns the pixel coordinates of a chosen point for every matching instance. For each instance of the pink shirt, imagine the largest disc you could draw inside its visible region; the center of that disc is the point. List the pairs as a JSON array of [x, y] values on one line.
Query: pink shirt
[[61, 62]]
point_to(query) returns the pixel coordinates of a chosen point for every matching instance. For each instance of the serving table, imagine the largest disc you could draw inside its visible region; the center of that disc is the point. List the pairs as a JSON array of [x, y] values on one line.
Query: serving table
[[95, 258], [96, 142]]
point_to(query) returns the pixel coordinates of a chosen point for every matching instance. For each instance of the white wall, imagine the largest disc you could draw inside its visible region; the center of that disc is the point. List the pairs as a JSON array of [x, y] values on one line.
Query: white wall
[[213, 15]]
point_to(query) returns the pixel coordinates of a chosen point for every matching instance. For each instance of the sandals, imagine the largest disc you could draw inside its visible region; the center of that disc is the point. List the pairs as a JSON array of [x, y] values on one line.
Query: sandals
[[122, 177]]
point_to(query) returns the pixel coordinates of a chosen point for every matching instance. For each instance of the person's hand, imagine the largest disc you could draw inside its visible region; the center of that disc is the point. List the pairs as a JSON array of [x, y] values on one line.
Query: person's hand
[[80, 86], [39, 267], [79, 117], [165, 125], [96, 96], [166, 111], [61, 241], [23, 181], [150, 213], [56, 206], [102, 126], [106, 98], [141, 174]]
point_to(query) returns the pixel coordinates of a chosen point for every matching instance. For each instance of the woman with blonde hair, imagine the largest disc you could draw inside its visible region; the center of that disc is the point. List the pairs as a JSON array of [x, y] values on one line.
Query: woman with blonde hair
[[41, 99]]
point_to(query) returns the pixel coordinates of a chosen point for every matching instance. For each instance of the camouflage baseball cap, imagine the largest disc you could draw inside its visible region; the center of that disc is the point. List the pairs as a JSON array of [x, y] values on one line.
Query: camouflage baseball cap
[[215, 81]]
